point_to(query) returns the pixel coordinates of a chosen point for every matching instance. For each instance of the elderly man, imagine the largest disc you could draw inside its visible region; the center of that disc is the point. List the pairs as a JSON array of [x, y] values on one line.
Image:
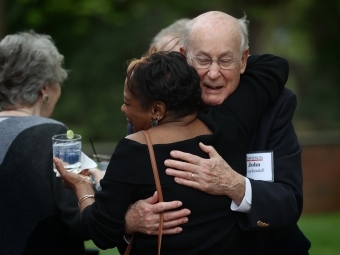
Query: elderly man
[[270, 206]]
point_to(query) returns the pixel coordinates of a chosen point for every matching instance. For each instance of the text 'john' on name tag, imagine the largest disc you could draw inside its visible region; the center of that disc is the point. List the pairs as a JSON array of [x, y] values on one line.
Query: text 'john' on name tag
[[260, 166]]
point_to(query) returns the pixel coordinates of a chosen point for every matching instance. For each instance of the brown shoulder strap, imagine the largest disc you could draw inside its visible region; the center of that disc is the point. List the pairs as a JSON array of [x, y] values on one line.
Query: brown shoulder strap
[[158, 185], [159, 192], [128, 249], [154, 165]]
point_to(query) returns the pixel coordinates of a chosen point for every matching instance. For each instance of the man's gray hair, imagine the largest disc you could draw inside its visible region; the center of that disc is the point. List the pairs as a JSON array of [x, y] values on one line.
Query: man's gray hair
[[243, 23], [28, 61], [243, 26], [175, 29]]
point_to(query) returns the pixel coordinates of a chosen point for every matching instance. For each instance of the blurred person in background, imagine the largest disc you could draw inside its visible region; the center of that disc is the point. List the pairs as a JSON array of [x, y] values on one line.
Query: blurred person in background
[[170, 37], [38, 214]]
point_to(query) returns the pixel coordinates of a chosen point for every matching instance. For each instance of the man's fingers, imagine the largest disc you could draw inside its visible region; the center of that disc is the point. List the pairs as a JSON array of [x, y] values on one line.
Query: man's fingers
[[179, 216], [171, 231], [174, 223], [187, 157], [208, 149], [164, 206], [168, 231], [189, 183], [152, 200], [178, 173], [183, 166]]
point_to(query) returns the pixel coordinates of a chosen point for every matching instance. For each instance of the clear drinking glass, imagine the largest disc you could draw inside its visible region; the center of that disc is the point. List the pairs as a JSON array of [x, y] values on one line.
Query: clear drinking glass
[[68, 150]]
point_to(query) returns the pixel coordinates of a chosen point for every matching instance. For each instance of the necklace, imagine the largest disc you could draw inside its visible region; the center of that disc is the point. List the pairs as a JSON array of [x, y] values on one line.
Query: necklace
[[17, 110], [24, 111]]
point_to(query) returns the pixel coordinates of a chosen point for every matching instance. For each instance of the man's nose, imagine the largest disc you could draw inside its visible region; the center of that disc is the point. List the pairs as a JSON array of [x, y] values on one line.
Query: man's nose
[[122, 108], [214, 70]]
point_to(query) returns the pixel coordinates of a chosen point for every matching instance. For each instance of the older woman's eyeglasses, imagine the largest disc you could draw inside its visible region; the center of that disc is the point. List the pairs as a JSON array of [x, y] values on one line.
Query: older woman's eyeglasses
[[205, 62]]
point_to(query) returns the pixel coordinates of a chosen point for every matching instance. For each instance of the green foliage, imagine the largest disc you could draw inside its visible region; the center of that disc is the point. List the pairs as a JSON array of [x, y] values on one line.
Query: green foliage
[[97, 37]]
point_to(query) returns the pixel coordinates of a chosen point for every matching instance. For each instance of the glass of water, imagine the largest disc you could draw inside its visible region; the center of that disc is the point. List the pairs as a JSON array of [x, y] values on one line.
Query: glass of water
[[68, 150]]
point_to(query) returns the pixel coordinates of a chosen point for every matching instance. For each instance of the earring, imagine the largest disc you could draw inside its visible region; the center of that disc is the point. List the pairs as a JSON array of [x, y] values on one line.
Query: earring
[[154, 123], [45, 98]]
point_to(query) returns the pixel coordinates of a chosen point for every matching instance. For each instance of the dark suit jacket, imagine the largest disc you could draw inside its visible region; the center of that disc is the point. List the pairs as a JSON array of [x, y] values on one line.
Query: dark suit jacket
[[278, 204]]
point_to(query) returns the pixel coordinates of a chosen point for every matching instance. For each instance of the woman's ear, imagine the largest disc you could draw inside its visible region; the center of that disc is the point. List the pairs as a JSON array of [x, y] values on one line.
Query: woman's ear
[[158, 110], [42, 91]]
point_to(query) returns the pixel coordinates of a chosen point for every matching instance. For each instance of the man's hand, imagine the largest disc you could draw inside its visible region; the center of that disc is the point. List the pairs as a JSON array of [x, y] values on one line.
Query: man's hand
[[213, 175], [143, 216]]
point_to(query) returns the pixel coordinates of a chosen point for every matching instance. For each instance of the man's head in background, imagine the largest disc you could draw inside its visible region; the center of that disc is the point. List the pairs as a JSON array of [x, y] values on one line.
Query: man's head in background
[[170, 37]]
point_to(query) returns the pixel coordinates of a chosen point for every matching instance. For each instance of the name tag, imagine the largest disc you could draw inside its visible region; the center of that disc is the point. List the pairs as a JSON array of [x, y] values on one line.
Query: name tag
[[260, 166]]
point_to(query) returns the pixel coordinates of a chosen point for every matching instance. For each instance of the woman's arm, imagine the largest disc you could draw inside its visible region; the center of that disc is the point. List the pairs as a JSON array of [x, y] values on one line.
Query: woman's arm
[[80, 184]]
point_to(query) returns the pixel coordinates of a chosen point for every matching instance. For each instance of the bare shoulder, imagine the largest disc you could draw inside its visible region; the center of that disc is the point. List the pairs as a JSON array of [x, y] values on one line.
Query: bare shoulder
[[138, 137]]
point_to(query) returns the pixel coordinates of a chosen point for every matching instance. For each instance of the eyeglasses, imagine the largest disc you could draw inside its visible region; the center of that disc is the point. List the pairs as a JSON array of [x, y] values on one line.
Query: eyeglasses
[[205, 62]]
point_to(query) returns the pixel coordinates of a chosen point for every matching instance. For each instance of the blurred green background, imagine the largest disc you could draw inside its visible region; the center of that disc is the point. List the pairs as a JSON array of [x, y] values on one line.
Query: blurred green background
[[97, 37]]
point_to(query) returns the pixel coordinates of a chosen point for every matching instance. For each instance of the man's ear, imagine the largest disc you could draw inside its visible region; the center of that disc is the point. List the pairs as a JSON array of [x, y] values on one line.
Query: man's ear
[[158, 109], [183, 51], [244, 59]]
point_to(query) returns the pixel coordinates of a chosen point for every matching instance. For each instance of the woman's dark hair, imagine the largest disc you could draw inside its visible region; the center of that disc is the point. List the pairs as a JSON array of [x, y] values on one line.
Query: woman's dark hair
[[166, 77]]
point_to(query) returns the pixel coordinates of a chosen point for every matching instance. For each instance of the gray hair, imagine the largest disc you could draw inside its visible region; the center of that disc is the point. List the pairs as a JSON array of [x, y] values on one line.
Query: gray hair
[[244, 23], [175, 29], [28, 61], [243, 27]]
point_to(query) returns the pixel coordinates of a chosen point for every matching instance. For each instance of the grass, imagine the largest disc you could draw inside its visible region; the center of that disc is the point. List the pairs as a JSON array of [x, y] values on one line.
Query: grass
[[323, 230], [89, 244]]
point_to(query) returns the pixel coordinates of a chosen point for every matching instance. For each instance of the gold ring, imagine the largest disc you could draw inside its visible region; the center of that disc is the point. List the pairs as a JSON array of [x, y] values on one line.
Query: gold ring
[[192, 176]]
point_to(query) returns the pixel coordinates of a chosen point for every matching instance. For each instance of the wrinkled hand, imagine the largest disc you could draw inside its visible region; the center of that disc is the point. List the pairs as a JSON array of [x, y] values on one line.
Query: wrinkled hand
[[213, 175], [143, 216]]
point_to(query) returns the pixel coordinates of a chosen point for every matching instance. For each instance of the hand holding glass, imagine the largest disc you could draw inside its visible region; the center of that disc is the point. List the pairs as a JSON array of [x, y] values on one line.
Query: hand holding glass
[[68, 151]]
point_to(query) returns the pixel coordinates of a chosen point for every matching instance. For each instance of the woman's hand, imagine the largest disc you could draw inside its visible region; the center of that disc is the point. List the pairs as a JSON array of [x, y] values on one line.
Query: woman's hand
[[71, 180], [80, 184]]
